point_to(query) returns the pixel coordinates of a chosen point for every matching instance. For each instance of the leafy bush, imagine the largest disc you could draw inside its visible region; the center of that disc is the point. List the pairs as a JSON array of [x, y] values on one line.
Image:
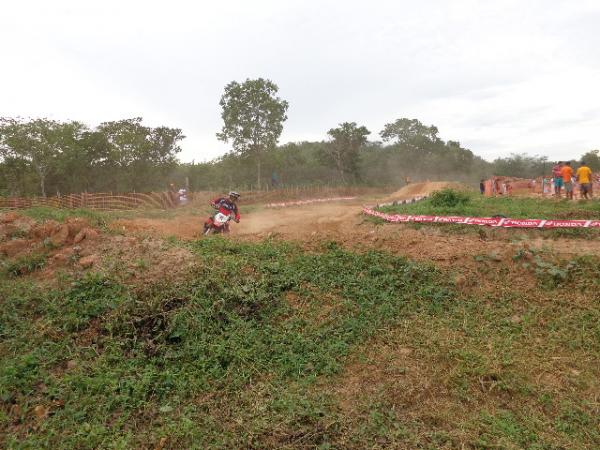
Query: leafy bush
[[449, 198]]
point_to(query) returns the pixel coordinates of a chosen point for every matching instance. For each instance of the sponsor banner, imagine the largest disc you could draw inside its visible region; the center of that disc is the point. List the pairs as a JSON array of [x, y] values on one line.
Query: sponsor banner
[[484, 221], [306, 202], [489, 221], [522, 223]]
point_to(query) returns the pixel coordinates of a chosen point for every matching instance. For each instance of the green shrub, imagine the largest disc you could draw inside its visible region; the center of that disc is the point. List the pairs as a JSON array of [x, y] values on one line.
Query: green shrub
[[449, 198]]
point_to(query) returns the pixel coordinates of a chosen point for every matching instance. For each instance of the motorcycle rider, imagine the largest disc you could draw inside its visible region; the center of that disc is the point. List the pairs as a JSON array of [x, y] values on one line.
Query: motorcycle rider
[[225, 205]]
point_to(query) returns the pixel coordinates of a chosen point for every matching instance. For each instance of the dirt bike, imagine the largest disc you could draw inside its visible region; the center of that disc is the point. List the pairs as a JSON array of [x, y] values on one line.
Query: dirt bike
[[217, 224]]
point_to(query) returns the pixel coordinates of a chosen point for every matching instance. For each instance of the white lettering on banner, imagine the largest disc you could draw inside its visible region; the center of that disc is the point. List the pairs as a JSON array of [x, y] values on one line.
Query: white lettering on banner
[[521, 223]]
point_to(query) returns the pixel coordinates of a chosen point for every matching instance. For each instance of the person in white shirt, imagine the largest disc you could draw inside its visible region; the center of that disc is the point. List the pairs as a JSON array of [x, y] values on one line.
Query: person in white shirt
[[182, 196]]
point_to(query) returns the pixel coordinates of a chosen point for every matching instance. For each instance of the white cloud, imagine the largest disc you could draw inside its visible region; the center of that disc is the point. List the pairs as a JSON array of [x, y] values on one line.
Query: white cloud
[[498, 76]]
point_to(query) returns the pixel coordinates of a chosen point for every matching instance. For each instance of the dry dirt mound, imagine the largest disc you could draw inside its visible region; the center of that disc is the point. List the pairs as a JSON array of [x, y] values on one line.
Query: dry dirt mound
[[75, 246], [421, 189], [20, 234]]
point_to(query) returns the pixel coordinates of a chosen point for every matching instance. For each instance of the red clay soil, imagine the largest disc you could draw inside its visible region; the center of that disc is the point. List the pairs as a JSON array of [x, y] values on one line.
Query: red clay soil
[[75, 246]]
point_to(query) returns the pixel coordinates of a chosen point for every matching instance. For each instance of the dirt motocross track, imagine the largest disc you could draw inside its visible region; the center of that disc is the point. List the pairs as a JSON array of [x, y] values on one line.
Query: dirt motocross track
[[343, 222], [293, 222]]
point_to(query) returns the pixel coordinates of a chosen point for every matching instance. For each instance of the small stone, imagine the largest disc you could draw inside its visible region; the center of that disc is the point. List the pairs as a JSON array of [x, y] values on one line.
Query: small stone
[[460, 280], [85, 233], [516, 319], [14, 247], [60, 236], [161, 444], [63, 256], [76, 225], [44, 230], [72, 364], [90, 233], [404, 351], [40, 411], [79, 237], [9, 217], [88, 261]]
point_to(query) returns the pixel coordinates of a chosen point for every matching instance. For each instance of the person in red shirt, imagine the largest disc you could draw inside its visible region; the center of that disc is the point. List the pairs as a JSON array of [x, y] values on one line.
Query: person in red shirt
[[227, 205], [557, 178], [567, 178]]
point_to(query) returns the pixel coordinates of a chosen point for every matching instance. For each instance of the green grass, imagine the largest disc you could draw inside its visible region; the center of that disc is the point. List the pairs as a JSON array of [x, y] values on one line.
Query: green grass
[[24, 265], [251, 349], [41, 213], [513, 207]]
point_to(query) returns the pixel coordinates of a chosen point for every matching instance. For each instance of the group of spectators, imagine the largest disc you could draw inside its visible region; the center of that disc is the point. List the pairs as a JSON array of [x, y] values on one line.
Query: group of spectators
[[564, 177]]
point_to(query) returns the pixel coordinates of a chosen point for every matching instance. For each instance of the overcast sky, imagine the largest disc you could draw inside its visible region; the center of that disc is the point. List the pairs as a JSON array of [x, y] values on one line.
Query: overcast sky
[[499, 76]]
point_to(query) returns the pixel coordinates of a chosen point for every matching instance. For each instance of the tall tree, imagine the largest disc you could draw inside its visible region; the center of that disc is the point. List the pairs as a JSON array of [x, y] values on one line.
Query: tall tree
[[39, 143], [253, 118], [137, 155], [343, 151], [409, 132], [522, 166]]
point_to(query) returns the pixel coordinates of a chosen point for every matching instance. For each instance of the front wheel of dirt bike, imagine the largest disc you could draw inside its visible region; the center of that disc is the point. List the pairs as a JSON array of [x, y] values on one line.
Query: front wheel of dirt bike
[[208, 231]]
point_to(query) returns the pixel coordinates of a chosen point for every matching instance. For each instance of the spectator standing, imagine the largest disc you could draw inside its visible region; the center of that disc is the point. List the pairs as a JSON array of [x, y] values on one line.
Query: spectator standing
[[183, 196], [584, 178], [557, 178], [567, 179], [546, 186], [482, 187], [173, 194]]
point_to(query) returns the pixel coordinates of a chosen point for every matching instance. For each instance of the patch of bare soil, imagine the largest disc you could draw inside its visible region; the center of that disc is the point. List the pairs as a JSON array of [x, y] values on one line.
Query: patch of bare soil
[[75, 246]]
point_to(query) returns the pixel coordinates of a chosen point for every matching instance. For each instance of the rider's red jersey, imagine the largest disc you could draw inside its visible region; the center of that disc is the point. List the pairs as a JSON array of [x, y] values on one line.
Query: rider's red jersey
[[226, 206]]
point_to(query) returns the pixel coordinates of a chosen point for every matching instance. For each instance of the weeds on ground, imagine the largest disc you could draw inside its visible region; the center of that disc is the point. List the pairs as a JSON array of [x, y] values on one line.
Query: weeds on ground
[[41, 214], [25, 264], [252, 348], [581, 273], [99, 355]]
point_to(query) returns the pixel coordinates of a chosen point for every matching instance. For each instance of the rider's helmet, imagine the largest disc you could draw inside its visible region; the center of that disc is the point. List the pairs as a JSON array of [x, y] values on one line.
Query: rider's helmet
[[234, 194]]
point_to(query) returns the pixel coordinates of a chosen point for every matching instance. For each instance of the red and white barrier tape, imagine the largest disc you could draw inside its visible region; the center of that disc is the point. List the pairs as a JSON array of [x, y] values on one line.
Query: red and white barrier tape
[[306, 202], [487, 221]]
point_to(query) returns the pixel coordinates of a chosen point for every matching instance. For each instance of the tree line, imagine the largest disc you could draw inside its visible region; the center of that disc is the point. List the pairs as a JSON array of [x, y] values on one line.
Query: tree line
[[46, 157], [49, 157]]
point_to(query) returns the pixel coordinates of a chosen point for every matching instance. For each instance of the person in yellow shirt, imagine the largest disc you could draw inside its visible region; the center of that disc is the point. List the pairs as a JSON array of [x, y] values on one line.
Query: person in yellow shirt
[[567, 175], [584, 177]]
